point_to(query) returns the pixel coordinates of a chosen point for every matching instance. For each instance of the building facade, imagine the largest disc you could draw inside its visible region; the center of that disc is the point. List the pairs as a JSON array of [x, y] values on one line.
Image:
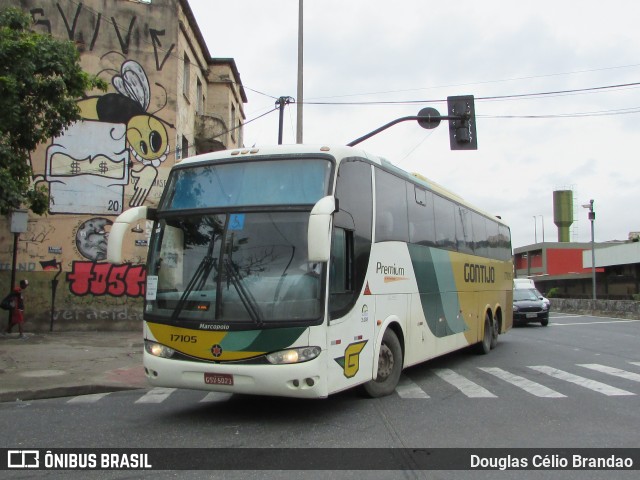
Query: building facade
[[167, 99], [565, 268]]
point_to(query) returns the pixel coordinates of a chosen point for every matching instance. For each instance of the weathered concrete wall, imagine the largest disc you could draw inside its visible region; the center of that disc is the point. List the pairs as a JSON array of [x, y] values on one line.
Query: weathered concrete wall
[[117, 157], [600, 308]]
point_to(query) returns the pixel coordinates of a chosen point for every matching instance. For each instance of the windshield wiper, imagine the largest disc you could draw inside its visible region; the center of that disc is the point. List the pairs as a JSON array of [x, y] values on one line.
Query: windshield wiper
[[246, 298], [199, 278]]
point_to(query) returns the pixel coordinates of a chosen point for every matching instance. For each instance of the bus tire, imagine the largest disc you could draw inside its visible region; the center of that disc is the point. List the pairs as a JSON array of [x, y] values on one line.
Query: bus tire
[[495, 332], [389, 367], [484, 346]]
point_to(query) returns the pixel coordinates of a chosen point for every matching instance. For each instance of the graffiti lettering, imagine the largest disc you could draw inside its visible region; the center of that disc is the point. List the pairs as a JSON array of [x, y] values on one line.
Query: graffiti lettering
[[70, 31], [73, 30], [95, 34], [40, 11], [21, 267], [124, 44], [106, 279], [93, 315], [155, 40]]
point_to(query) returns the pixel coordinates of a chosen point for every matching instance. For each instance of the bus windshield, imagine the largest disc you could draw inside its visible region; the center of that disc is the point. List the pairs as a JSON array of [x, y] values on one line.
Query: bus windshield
[[233, 268], [265, 182]]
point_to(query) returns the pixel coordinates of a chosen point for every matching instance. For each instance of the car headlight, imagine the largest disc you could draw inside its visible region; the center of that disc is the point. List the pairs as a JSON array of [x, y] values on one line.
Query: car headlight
[[293, 355], [545, 306], [515, 308], [158, 350]]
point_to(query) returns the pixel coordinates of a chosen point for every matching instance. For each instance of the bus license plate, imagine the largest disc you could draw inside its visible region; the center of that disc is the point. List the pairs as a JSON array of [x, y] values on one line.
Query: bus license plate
[[218, 379], [532, 315]]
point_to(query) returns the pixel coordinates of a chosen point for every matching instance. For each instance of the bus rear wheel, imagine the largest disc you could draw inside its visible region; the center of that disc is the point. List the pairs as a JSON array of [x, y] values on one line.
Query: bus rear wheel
[[484, 346], [495, 332], [389, 367]]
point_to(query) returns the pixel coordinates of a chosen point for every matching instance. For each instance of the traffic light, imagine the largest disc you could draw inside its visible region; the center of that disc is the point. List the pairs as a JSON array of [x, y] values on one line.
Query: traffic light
[[462, 131]]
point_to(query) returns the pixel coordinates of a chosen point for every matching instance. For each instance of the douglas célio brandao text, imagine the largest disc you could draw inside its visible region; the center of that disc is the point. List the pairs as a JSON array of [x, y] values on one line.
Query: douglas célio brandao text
[[550, 462]]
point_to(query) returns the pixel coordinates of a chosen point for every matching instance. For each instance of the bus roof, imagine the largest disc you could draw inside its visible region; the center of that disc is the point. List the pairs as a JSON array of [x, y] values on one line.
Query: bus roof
[[339, 152]]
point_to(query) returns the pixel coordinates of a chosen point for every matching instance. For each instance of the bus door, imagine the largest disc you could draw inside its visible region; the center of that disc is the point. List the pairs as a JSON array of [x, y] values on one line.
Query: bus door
[[351, 309], [351, 324]]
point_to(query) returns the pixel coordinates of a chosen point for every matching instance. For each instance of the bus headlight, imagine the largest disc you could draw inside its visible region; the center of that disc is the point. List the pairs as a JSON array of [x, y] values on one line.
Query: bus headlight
[[158, 350], [293, 355]]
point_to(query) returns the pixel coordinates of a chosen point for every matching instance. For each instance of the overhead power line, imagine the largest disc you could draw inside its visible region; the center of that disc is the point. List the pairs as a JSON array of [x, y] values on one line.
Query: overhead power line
[[490, 98]]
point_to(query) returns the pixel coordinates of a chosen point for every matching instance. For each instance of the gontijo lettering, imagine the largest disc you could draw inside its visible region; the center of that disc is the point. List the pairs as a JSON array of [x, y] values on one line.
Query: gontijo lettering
[[474, 273]]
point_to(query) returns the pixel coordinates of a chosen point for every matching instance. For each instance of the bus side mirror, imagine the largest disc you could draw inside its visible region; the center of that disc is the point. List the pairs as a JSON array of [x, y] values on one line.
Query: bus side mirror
[[118, 231], [319, 232]]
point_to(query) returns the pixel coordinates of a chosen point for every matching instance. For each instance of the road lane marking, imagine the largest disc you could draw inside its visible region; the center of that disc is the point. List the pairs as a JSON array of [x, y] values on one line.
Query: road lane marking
[[156, 395], [90, 398], [612, 371], [593, 323], [466, 386], [527, 385], [216, 397], [407, 389], [581, 381]]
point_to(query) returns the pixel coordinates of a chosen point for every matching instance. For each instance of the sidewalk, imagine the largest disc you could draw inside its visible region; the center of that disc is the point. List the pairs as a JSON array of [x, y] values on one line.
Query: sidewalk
[[58, 364]]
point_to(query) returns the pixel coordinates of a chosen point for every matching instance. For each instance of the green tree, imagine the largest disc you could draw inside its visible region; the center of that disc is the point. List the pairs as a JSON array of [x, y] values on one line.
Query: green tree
[[40, 82]]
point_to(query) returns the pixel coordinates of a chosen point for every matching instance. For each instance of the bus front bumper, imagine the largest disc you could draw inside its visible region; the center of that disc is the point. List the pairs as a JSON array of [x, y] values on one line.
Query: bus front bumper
[[303, 380]]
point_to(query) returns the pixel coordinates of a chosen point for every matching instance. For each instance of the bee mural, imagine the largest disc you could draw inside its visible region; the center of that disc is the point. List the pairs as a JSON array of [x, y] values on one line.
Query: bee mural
[[147, 136], [117, 147]]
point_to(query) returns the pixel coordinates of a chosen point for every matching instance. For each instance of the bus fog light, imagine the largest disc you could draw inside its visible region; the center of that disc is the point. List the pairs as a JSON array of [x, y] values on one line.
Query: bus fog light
[[158, 350], [293, 355]]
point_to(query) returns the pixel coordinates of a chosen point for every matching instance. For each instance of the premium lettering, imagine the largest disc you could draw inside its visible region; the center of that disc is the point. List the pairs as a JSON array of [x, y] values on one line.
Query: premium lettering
[[389, 269]]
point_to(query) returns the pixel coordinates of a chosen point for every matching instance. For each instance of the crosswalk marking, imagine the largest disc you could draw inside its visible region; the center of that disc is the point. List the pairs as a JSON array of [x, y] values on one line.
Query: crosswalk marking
[[90, 398], [466, 386], [407, 389], [526, 385], [612, 371], [156, 395], [581, 381], [216, 397]]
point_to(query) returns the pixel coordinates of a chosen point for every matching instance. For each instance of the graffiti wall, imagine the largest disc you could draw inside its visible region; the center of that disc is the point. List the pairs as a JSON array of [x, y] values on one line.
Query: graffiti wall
[[118, 156]]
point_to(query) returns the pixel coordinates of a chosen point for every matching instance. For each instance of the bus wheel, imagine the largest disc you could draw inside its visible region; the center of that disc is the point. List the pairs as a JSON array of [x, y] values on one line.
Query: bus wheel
[[389, 367], [495, 331], [485, 345]]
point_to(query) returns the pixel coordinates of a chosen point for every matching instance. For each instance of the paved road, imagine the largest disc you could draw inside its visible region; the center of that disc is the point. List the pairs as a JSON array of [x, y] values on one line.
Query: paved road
[[575, 383]]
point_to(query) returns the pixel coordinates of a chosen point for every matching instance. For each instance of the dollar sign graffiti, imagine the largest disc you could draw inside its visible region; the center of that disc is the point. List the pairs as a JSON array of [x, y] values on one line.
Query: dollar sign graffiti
[[75, 167], [103, 167]]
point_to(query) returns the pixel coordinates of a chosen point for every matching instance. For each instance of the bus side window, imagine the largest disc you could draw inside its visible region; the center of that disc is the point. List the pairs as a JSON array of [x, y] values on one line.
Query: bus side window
[[341, 281], [422, 230], [392, 223]]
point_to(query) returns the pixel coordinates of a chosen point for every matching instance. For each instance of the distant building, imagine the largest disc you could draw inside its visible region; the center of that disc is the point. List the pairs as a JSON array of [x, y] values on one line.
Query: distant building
[[566, 267], [167, 99]]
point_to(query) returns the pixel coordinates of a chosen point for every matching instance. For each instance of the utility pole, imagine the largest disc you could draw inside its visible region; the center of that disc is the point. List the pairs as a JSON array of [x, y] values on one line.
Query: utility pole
[[592, 218], [300, 63], [280, 103]]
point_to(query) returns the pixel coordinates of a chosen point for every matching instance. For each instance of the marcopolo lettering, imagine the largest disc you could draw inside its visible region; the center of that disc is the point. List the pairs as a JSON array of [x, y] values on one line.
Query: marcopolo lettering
[[474, 273]]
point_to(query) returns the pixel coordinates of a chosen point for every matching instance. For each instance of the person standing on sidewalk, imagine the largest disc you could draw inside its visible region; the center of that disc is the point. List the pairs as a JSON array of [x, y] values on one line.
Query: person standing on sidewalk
[[17, 313]]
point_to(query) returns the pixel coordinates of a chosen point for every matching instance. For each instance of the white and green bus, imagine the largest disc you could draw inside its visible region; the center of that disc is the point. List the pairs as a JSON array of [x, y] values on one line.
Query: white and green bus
[[303, 271]]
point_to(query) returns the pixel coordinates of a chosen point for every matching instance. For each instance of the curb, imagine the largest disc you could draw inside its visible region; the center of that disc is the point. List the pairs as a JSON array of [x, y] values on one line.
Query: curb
[[57, 392]]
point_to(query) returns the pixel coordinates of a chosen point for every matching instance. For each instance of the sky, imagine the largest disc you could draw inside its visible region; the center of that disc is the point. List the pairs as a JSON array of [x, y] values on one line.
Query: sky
[[556, 87]]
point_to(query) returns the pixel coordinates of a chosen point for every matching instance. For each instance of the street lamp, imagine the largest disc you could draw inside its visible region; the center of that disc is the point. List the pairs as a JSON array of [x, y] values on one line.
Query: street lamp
[[592, 217], [535, 228]]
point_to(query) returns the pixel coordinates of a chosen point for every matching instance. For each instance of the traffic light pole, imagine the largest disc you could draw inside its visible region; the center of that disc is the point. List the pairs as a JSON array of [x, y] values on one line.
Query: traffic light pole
[[462, 123]]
